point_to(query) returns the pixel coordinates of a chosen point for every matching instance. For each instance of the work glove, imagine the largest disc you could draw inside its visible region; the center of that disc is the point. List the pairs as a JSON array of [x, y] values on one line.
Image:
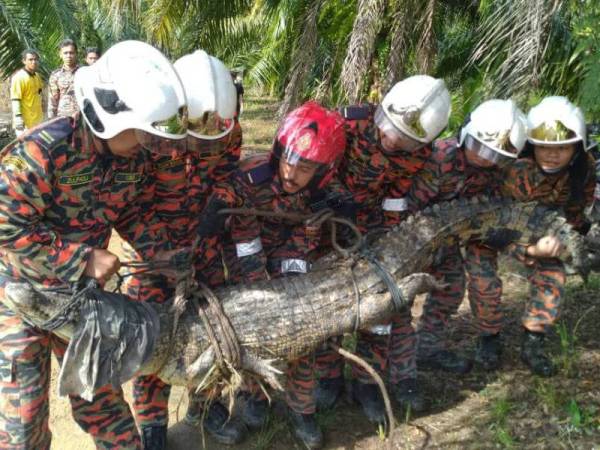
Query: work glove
[[212, 223]]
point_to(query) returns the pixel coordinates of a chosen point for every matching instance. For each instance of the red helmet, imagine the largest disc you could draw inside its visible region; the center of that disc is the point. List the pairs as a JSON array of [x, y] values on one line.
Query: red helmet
[[312, 133]]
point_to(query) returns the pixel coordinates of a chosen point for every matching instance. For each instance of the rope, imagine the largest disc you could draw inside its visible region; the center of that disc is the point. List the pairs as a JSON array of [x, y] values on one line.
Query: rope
[[219, 329], [64, 314], [315, 219]]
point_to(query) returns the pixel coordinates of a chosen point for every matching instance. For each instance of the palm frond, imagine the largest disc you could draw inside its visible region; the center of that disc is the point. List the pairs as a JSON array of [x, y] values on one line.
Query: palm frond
[[514, 39], [369, 19], [302, 58]]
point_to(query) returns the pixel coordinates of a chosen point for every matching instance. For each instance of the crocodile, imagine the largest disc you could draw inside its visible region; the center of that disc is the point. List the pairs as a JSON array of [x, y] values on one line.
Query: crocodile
[[285, 318]]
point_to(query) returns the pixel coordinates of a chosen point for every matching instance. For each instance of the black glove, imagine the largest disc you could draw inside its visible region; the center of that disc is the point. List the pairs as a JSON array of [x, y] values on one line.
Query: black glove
[[212, 223]]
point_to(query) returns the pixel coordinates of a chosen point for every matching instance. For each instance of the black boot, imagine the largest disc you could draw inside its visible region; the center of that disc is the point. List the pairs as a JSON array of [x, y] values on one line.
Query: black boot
[[328, 392], [255, 412], [534, 356], [447, 361], [489, 351], [221, 427], [408, 395], [306, 429], [370, 400], [154, 437]]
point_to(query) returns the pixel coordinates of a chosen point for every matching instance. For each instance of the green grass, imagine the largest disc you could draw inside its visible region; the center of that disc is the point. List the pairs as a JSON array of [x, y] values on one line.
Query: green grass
[[501, 408], [263, 439], [259, 123]]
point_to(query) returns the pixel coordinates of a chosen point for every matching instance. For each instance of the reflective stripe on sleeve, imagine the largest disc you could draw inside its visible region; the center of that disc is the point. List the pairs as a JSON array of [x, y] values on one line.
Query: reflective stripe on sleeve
[[394, 204], [294, 265], [381, 330], [248, 248]]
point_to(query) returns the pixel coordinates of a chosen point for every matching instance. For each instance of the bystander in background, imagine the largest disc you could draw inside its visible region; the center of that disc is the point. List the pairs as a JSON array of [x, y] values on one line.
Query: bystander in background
[[61, 95], [26, 94], [91, 55]]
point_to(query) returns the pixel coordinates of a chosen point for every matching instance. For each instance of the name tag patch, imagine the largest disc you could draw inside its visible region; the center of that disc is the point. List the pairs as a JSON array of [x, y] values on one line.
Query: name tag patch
[[74, 180], [125, 177], [170, 164]]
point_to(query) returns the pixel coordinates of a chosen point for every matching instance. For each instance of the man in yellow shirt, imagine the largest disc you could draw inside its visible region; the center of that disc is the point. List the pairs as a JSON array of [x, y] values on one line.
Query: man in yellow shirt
[[26, 94]]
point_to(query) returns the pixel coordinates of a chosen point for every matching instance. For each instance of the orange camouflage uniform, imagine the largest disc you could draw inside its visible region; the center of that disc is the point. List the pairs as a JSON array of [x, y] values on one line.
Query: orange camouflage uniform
[[59, 199], [262, 247], [447, 175], [379, 182], [525, 181], [181, 185]]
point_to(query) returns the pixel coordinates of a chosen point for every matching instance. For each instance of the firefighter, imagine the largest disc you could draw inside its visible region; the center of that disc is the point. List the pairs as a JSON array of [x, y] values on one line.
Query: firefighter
[[387, 145], [556, 170], [64, 186], [491, 139], [182, 180], [302, 162]]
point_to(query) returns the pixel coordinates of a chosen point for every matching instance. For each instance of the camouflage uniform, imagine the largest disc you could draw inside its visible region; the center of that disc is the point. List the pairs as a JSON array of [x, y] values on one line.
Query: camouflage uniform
[[59, 199], [379, 183], [446, 176], [269, 247], [61, 93], [181, 186], [525, 181]]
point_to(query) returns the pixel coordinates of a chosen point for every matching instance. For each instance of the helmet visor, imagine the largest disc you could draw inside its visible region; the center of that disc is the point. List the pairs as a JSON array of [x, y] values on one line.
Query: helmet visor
[[174, 127], [160, 145], [393, 138], [491, 154], [210, 126], [554, 132], [289, 156]]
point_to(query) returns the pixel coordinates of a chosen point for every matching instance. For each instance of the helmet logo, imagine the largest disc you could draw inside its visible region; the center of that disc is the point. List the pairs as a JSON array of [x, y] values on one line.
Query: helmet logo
[[410, 116], [500, 139], [304, 142]]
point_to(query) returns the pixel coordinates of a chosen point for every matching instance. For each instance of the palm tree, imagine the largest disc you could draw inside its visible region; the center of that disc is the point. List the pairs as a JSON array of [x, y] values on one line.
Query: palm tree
[[38, 24]]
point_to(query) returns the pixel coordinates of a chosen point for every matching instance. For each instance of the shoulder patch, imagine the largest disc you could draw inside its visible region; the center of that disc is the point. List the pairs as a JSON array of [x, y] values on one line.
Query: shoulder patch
[[15, 162], [51, 133], [355, 112], [259, 174]]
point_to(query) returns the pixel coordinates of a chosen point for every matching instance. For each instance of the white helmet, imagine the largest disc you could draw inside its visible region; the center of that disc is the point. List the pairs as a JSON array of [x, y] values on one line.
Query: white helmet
[[132, 86], [496, 130], [556, 121], [417, 107], [211, 95]]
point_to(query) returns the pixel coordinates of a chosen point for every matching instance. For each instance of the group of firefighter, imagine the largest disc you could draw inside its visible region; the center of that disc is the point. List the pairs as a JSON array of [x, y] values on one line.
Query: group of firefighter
[[155, 155]]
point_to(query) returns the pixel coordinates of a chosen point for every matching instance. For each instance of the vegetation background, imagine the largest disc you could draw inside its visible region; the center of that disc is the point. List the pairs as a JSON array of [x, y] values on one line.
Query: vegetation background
[[339, 51]]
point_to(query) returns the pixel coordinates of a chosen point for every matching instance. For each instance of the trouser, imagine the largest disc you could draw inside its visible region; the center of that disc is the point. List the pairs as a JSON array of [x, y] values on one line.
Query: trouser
[[546, 278], [402, 354], [329, 363], [150, 393], [24, 383], [441, 304], [373, 349], [485, 288]]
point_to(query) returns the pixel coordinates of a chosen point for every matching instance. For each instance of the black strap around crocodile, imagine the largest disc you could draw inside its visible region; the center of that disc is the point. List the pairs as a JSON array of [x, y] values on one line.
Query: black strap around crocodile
[[384, 274]]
